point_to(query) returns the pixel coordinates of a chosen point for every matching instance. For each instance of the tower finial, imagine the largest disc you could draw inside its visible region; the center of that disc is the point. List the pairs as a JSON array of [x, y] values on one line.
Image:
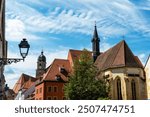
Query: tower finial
[[95, 44], [42, 52], [95, 23], [95, 35]]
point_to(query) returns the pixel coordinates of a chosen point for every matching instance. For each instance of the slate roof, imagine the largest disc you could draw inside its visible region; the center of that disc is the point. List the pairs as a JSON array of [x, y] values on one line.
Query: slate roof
[[29, 91], [118, 56]]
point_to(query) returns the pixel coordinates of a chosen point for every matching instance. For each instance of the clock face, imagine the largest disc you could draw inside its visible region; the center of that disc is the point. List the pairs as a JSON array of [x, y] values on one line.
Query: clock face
[[40, 67]]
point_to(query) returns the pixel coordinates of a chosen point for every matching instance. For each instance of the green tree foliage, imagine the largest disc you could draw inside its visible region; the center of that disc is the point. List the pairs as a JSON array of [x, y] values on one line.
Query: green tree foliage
[[82, 83]]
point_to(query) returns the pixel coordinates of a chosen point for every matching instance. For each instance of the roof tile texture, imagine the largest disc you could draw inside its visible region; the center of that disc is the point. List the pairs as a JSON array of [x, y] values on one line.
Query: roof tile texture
[[118, 56]]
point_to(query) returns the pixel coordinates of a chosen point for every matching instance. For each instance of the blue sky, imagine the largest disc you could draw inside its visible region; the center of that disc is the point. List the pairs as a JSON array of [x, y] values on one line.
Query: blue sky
[[59, 25]]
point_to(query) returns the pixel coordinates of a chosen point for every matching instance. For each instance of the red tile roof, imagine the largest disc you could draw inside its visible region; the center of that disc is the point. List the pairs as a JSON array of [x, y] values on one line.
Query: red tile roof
[[54, 70], [74, 55], [24, 82], [118, 56]]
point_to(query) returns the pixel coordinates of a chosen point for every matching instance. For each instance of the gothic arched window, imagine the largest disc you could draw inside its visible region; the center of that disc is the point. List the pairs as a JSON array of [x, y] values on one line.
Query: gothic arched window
[[133, 86], [119, 94]]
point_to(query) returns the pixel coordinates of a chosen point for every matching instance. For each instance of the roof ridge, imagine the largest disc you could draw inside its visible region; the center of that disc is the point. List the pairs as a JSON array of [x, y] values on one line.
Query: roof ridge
[[60, 59], [125, 52], [74, 50], [147, 61], [26, 75], [49, 69], [133, 56]]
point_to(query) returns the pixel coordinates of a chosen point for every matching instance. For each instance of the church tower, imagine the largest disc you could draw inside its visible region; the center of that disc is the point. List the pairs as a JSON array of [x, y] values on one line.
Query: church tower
[[41, 65], [95, 44]]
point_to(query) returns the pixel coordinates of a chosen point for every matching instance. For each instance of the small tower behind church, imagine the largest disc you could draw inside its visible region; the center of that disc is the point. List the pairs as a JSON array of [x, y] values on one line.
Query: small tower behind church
[[41, 65], [95, 44]]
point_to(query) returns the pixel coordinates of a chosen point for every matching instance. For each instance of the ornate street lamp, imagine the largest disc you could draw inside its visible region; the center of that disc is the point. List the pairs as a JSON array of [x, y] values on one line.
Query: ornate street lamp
[[24, 49]]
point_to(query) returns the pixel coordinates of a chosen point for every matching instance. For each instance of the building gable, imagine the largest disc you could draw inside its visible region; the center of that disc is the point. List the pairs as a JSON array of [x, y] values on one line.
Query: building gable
[[118, 56], [24, 82], [58, 71]]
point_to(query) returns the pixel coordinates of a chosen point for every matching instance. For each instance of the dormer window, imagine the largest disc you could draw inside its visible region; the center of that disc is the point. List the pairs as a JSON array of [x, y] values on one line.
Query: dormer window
[[58, 77], [62, 70]]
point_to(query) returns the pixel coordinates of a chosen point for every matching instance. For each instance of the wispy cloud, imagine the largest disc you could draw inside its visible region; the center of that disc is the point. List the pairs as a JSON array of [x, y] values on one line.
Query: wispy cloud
[[116, 17], [48, 21]]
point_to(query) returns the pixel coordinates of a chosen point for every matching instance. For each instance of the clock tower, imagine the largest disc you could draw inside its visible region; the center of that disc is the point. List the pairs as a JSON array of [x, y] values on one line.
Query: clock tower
[[41, 65]]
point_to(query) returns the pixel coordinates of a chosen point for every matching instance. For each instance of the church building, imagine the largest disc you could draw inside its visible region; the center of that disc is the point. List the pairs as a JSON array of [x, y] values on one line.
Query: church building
[[122, 70]]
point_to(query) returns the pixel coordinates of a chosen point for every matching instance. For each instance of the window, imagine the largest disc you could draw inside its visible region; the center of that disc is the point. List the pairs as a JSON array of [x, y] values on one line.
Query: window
[[36, 91], [119, 94], [136, 75], [133, 86], [58, 77], [40, 98], [55, 98], [41, 90], [49, 89], [62, 70], [49, 98], [55, 89], [133, 75]]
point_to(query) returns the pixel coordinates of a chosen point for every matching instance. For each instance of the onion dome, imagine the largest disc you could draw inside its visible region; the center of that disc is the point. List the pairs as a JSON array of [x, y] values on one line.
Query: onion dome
[[42, 57]]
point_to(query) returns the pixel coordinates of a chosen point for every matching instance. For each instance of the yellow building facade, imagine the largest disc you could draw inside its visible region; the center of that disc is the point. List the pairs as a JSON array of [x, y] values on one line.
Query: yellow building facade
[[124, 73], [126, 83], [147, 73]]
